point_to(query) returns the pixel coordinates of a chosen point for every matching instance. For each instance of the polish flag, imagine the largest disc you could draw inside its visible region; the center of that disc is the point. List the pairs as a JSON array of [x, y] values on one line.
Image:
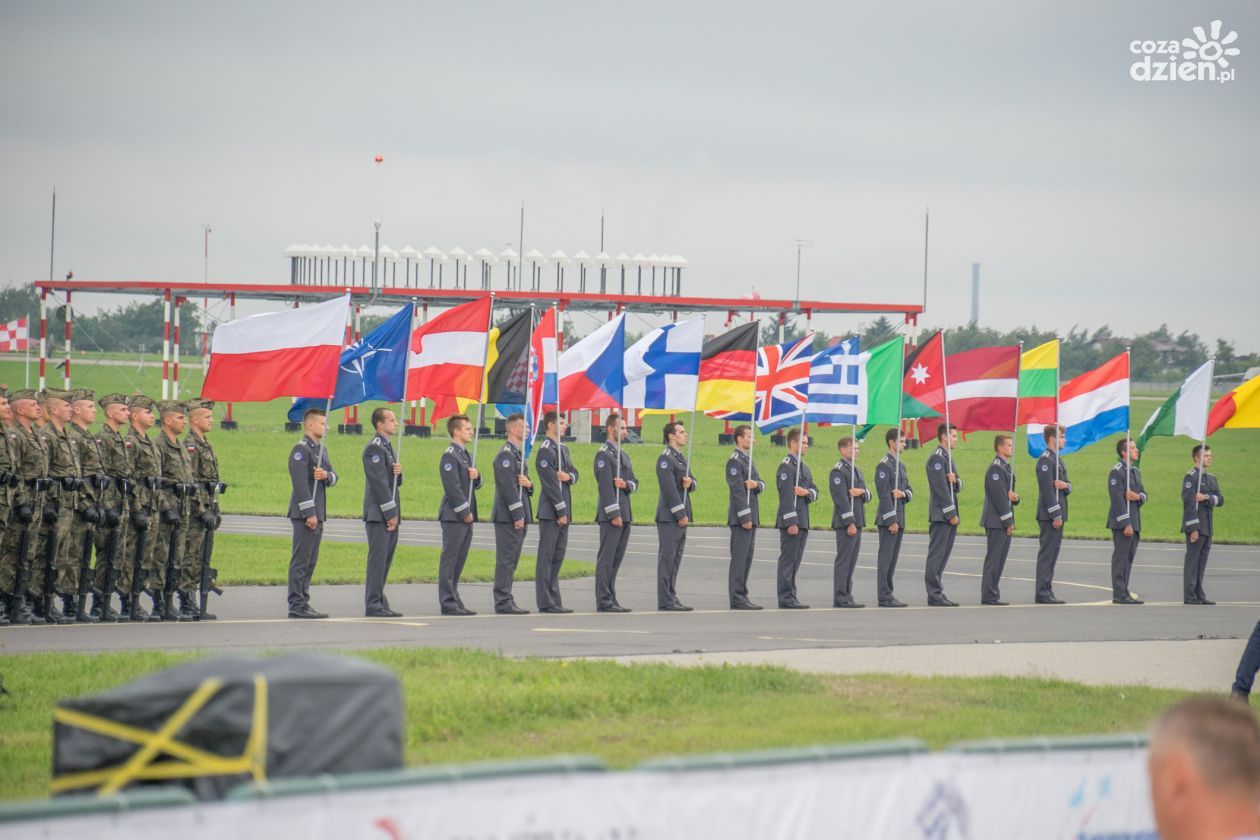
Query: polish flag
[[448, 354], [293, 353]]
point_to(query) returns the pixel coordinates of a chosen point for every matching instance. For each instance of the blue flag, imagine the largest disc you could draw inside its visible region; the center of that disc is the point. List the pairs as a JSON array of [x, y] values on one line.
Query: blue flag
[[373, 368], [836, 391]]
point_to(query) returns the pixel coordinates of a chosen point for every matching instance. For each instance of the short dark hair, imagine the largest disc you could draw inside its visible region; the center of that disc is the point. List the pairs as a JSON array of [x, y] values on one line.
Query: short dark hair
[[793, 435], [318, 412], [513, 417], [942, 429], [1199, 448], [1049, 433], [670, 428], [892, 434], [1122, 446], [452, 423], [549, 420], [613, 419], [998, 440], [378, 415], [740, 430], [844, 443]]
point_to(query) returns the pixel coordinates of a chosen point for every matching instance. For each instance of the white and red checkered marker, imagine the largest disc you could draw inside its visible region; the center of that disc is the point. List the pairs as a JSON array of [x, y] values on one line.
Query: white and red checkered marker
[[14, 336]]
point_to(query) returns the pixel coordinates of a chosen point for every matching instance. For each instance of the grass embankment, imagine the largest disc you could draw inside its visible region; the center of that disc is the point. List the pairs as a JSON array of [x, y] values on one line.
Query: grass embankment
[[467, 706], [253, 462]]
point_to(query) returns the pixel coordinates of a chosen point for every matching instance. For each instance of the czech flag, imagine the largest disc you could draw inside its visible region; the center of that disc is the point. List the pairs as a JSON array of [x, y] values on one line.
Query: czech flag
[[593, 370]]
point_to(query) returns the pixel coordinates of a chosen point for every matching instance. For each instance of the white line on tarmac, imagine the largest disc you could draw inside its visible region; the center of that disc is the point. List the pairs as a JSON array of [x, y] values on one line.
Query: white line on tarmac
[[589, 630]]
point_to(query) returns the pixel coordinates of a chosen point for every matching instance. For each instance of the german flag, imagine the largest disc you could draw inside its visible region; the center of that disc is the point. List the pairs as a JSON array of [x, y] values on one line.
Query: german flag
[[728, 370]]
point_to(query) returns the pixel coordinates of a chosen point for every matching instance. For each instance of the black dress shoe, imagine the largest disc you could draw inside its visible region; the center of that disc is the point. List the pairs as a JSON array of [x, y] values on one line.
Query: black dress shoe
[[511, 609], [615, 608], [995, 602], [307, 612], [893, 602], [461, 611], [746, 605], [381, 614], [556, 610], [1050, 599], [677, 607], [1127, 599], [1206, 602], [793, 605], [849, 605], [941, 602], [1192, 602]]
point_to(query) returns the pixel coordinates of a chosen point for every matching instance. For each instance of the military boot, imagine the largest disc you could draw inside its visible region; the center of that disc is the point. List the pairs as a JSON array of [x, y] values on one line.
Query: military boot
[[188, 608], [70, 607]]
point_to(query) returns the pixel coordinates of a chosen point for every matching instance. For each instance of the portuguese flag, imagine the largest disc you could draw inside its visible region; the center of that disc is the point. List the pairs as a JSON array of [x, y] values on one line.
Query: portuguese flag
[[1038, 384], [1239, 409], [728, 366]]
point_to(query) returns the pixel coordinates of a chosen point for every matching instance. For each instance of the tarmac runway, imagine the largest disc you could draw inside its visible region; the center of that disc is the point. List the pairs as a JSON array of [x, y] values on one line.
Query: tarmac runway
[[252, 618]]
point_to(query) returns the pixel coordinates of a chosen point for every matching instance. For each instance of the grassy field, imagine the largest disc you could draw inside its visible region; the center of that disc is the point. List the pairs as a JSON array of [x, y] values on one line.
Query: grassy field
[[253, 462], [260, 561], [466, 706]]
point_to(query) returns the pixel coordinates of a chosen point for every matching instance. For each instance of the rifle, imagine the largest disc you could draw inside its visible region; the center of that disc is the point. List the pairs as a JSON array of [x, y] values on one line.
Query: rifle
[[209, 574], [111, 574], [50, 543], [173, 545], [138, 576], [85, 572]]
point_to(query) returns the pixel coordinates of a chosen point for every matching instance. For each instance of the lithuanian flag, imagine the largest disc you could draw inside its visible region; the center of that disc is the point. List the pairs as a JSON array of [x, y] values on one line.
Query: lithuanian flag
[[728, 369], [1039, 384], [1239, 409]]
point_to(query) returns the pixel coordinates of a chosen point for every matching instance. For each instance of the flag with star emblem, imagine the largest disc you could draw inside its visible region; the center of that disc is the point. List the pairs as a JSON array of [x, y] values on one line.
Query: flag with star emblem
[[923, 385], [373, 368]]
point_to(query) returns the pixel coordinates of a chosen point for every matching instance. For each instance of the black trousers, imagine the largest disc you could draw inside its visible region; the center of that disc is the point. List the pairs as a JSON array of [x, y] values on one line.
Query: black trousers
[[302, 562], [673, 540], [508, 540], [553, 543], [612, 550], [1047, 557], [847, 549], [1196, 564], [742, 543], [998, 545], [791, 550], [456, 540], [1124, 549], [886, 566], [941, 537]]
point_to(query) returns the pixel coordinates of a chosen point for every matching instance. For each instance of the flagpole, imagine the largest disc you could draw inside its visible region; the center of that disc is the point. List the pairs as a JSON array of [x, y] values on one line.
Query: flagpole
[[949, 435], [1058, 444], [485, 356], [402, 403], [319, 458], [28, 353], [901, 398], [1203, 440], [1128, 432], [529, 402], [752, 418], [1015, 432], [559, 434], [800, 456]]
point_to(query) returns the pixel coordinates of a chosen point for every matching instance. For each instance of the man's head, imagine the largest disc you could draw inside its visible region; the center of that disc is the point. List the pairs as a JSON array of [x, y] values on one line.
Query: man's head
[[743, 437], [796, 442], [1053, 436], [116, 412], [314, 423], [675, 435], [1127, 449], [6, 411], [141, 412], [615, 428], [1004, 446], [554, 426], [57, 406], [384, 421], [24, 405], [1204, 765], [83, 407], [950, 433], [174, 416], [895, 440], [1202, 455], [459, 427], [848, 448], [516, 428], [200, 415]]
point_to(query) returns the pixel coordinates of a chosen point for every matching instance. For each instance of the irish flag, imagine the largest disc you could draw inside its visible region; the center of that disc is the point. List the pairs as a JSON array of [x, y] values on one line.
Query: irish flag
[[1091, 407], [1038, 384], [292, 353], [1239, 409], [1186, 411]]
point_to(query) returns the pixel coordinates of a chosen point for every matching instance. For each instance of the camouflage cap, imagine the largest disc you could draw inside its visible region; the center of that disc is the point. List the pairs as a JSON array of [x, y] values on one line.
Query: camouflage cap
[[57, 394], [82, 394], [112, 399], [22, 394], [172, 407], [4, 391], [140, 401], [208, 405]]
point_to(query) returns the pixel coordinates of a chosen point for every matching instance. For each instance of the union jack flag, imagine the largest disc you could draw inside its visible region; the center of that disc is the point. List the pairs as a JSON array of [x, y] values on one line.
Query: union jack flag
[[782, 387]]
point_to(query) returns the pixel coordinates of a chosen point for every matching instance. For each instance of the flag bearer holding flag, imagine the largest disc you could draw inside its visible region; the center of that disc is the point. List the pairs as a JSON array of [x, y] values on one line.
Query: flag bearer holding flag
[[849, 494], [512, 512], [998, 519], [673, 515], [743, 516], [382, 511], [311, 474], [1053, 489], [556, 475], [457, 512], [944, 485], [1200, 496], [797, 492], [1124, 487], [893, 486], [614, 475]]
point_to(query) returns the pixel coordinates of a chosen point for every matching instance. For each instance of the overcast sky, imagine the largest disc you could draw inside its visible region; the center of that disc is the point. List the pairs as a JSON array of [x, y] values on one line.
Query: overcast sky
[[713, 130]]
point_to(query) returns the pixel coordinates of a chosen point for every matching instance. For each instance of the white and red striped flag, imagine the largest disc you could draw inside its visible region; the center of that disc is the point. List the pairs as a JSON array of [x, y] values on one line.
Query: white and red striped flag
[[14, 336], [293, 353], [448, 354]]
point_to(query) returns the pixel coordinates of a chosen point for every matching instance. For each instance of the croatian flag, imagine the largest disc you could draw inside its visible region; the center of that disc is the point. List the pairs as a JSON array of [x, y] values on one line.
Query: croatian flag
[[1091, 407], [663, 368], [837, 394], [592, 371], [543, 387], [292, 353]]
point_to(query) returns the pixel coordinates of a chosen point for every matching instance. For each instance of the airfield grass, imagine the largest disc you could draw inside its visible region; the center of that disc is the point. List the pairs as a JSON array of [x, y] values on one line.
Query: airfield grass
[[247, 560], [252, 460], [470, 706]]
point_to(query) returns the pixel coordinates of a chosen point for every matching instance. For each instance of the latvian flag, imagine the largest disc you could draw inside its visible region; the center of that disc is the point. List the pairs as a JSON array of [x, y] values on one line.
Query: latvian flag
[[14, 336]]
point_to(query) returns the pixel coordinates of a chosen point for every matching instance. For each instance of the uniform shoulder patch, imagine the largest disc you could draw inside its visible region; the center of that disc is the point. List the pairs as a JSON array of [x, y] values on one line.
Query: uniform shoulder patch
[[1189, 484], [734, 470], [782, 476], [506, 462], [448, 466], [836, 480], [1113, 482], [599, 464], [996, 477], [936, 465], [376, 459], [297, 456], [542, 462], [883, 474], [664, 464]]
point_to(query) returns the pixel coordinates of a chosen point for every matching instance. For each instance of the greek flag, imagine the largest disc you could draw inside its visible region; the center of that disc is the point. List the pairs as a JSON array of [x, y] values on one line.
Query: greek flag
[[837, 393]]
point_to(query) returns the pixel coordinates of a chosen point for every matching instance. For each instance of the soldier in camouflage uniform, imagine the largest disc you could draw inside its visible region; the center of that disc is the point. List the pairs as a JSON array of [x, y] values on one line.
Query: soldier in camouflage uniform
[[52, 544], [27, 464], [177, 481], [6, 480], [116, 465], [87, 511], [204, 503], [146, 476]]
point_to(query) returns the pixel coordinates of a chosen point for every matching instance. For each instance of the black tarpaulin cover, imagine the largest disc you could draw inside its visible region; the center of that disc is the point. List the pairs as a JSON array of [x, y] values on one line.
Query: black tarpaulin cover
[[214, 723]]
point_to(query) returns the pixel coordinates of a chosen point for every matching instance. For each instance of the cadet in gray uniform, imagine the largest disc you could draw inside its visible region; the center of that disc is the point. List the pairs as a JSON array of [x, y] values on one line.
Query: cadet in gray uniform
[[556, 476], [511, 513], [456, 513], [849, 496], [743, 515], [673, 515], [893, 487], [311, 475], [944, 485], [797, 492], [1125, 519], [1198, 500], [1053, 489], [382, 511], [997, 519], [614, 476]]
